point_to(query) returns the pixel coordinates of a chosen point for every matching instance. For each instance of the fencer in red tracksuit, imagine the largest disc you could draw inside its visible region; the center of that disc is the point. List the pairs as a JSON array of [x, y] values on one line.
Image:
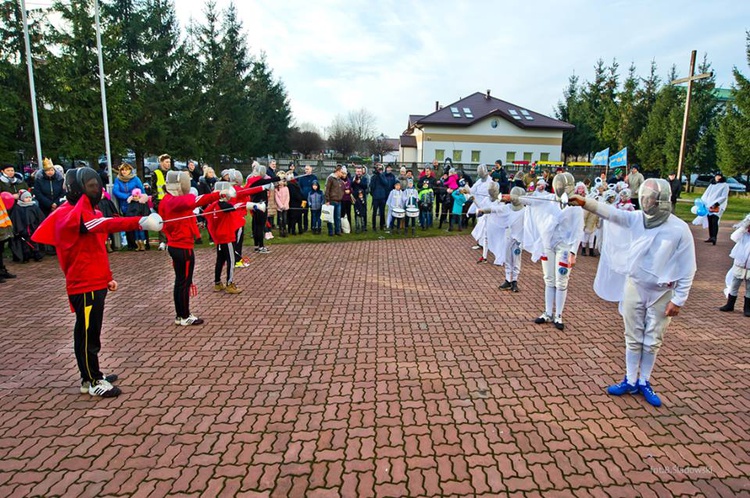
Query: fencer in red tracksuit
[[78, 231], [223, 219], [178, 202]]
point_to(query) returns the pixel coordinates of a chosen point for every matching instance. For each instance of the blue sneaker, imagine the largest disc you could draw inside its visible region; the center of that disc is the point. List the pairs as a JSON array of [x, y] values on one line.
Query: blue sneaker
[[622, 388], [649, 394]]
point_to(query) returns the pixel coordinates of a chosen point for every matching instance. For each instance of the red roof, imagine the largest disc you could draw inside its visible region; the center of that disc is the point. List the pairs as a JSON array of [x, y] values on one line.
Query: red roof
[[478, 106]]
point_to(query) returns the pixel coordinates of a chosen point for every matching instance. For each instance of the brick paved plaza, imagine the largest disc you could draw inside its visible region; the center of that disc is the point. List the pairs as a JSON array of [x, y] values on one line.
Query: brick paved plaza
[[383, 368]]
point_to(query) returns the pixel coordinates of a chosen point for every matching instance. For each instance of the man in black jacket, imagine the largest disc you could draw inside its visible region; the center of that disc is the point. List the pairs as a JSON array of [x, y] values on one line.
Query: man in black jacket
[[379, 191], [676, 186], [359, 184], [499, 176]]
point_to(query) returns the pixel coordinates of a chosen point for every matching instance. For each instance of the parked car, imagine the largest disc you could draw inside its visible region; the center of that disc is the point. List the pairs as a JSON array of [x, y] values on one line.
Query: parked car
[[735, 186], [705, 180], [697, 180]]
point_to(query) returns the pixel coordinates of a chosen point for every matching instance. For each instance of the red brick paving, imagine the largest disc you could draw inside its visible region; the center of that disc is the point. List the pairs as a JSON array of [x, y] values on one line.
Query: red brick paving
[[383, 368]]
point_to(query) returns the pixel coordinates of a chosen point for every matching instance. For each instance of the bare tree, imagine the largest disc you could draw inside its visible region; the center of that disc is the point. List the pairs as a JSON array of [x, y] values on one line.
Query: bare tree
[[341, 137], [305, 142], [363, 125]]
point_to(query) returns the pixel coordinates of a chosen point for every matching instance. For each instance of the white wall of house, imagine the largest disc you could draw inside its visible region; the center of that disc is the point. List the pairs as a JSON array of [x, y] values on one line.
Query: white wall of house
[[508, 136], [408, 155]]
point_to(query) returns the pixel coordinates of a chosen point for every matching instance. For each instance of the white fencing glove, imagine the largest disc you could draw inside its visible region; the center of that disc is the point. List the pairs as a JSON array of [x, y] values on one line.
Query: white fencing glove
[[268, 186], [257, 206], [152, 222]]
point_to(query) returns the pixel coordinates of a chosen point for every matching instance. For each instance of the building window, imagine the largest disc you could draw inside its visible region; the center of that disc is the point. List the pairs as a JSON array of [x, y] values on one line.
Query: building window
[[527, 156], [544, 156], [440, 155], [475, 155], [457, 156], [510, 157]]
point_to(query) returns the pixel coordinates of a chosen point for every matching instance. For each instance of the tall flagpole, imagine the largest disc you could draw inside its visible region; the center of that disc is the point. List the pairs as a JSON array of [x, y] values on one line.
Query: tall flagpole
[[104, 94], [32, 86]]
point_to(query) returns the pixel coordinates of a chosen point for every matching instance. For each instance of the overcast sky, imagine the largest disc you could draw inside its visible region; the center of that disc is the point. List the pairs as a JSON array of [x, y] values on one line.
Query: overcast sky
[[396, 58]]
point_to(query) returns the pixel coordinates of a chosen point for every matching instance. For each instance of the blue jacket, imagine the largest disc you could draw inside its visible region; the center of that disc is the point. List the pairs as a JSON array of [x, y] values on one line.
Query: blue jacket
[[459, 200], [379, 187], [122, 190], [305, 184], [315, 200]]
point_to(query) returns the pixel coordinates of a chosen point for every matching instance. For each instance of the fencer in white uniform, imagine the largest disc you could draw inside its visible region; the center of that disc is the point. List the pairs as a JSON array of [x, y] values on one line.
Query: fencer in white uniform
[[740, 271], [480, 195], [552, 232], [505, 235], [647, 265]]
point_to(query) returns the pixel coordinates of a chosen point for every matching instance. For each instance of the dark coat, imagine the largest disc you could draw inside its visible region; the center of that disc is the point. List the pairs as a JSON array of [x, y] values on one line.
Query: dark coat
[[14, 184], [48, 190], [360, 184], [295, 195], [379, 187]]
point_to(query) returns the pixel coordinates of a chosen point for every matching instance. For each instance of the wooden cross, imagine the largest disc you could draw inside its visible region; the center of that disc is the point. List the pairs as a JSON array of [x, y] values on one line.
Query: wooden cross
[[689, 79]]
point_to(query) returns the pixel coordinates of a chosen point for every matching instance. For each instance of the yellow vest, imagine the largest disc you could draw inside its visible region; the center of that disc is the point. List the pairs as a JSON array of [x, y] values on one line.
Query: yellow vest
[[161, 183]]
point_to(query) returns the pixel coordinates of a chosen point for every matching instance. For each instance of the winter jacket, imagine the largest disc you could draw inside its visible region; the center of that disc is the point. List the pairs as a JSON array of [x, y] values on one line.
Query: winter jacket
[[360, 207], [281, 195], [451, 182], [295, 195], [378, 187], [390, 181], [334, 189], [347, 186], [315, 200], [359, 184], [676, 187], [501, 178], [305, 184], [459, 200], [123, 189], [13, 184], [48, 190], [206, 185]]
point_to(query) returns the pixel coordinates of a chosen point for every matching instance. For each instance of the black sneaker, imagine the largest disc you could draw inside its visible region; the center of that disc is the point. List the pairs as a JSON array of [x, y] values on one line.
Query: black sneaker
[[514, 286], [505, 285], [559, 325], [543, 318]]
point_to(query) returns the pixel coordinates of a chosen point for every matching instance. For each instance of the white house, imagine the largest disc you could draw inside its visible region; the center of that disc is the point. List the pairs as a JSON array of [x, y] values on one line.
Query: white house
[[481, 129]]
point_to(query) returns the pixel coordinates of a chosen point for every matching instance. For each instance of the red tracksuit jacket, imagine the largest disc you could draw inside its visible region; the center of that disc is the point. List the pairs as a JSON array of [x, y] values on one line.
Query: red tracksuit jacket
[[78, 232], [223, 225], [182, 234]]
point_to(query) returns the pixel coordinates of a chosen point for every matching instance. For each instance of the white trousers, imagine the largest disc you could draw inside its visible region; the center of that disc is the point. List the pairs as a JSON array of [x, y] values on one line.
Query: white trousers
[[588, 239], [556, 268], [734, 287], [512, 260]]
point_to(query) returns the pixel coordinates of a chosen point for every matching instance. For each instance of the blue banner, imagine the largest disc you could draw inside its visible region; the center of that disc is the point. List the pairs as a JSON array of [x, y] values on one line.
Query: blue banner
[[619, 159], [600, 158]]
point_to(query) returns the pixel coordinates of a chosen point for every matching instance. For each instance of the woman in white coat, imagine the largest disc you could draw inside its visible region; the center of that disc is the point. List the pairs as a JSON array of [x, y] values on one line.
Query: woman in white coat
[[715, 198]]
